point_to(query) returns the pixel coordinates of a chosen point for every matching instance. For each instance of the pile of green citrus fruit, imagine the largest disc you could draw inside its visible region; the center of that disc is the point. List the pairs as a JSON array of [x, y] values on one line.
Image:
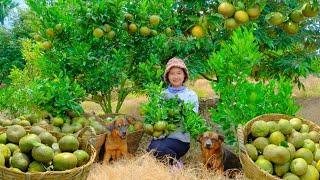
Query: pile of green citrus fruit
[[285, 148], [37, 150]]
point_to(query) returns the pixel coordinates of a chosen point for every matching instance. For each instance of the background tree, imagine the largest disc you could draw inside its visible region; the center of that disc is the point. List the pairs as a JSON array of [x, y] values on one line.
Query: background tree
[[5, 7], [115, 47]]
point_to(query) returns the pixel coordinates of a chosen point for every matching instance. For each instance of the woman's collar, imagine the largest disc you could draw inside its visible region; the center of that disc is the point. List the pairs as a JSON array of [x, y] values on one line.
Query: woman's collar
[[176, 90]]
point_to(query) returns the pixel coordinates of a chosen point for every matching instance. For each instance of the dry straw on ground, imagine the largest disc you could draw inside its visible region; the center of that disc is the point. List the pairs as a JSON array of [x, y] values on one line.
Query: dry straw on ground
[[146, 167]]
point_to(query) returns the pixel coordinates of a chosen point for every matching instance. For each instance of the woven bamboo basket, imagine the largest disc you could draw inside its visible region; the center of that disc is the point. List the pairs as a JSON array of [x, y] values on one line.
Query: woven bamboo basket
[[251, 170], [78, 173], [87, 135], [133, 138]]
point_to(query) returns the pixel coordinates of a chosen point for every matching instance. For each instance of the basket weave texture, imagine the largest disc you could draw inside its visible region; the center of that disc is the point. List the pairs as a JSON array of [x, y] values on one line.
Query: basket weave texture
[[133, 138]]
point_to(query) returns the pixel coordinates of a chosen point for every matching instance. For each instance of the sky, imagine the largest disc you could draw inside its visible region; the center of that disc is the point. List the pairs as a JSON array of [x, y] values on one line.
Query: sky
[[14, 13]]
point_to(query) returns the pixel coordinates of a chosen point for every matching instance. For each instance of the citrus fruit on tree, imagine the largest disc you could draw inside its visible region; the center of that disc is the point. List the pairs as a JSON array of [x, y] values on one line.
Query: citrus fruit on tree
[[241, 16], [154, 32], [230, 23], [111, 35], [106, 28], [145, 31], [97, 32], [197, 31], [125, 26], [254, 12], [154, 20], [128, 16], [58, 27], [37, 37], [168, 31], [133, 28], [50, 32], [291, 28], [226, 9], [309, 10], [275, 18], [296, 16], [46, 45]]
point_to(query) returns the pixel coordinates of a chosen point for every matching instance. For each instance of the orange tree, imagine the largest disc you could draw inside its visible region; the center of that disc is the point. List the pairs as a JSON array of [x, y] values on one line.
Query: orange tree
[[110, 48], [286, 31], [115, 47], [281, 47]]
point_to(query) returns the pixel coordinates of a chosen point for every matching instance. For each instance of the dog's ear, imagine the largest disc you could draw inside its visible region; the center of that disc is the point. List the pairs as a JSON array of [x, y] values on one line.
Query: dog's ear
[[130, 120], [200, 137], [221, 137]]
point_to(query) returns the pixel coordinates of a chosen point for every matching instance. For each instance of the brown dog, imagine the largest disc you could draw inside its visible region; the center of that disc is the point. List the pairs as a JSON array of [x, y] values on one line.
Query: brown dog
[[215, 156], [116, 142]]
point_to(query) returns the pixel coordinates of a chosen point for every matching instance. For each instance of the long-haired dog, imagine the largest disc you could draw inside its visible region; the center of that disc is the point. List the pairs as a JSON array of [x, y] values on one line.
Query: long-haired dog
[[215, 155], [116, 141]]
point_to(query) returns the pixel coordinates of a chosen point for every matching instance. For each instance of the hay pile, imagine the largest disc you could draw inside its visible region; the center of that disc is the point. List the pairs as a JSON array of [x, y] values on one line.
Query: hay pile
[[146, 167]]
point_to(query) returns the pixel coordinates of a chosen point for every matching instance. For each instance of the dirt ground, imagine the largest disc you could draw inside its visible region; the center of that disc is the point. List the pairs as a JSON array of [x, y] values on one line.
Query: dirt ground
[[308, 99], [310, 108]]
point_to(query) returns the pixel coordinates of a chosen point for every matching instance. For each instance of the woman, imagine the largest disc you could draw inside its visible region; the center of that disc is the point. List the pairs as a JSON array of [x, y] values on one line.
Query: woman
[[176, 144]]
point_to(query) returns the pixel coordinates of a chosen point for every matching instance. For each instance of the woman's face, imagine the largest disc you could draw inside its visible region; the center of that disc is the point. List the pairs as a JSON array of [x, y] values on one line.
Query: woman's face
[[176, 77]]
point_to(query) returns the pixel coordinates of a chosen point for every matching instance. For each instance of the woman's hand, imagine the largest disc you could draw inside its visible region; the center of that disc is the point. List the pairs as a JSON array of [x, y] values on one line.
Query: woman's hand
[[160, 137]]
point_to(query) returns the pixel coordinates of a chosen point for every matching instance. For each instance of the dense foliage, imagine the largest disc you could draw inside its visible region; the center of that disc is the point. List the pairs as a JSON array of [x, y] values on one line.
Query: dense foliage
[[241, 98], [173, 112]]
